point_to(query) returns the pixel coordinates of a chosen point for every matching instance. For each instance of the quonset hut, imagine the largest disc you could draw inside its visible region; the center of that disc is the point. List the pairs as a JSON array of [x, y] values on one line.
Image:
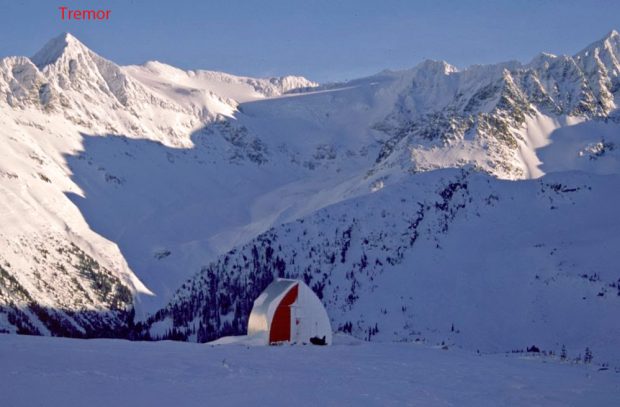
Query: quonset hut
[[289, 311]]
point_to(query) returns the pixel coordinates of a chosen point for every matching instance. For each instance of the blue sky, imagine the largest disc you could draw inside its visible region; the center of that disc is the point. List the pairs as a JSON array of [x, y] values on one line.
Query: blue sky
[[323, 40]]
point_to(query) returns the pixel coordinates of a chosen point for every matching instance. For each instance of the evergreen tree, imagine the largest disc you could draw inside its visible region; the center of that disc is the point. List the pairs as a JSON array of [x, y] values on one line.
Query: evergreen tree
[[563, 353], [587, 358]]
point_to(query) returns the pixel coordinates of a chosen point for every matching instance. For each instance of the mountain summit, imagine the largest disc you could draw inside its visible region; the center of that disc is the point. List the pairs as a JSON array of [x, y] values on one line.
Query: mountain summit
[[64, 44]]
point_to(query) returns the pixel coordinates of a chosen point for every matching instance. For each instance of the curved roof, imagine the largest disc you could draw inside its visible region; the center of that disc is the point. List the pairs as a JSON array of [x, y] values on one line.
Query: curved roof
[[307, 318], [266, 303]]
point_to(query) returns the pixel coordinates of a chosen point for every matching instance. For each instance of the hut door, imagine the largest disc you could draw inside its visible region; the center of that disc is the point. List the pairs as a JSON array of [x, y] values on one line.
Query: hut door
[[281, 324]]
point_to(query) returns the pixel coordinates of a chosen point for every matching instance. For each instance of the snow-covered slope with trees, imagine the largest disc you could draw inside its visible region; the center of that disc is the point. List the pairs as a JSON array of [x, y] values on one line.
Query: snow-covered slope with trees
[[413, 201], [449, 256]]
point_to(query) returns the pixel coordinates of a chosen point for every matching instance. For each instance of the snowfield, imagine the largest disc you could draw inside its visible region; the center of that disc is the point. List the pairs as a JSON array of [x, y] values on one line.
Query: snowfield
[[39, 371]]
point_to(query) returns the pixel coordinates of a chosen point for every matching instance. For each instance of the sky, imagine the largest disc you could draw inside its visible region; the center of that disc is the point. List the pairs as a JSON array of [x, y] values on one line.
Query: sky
[[324, 40]]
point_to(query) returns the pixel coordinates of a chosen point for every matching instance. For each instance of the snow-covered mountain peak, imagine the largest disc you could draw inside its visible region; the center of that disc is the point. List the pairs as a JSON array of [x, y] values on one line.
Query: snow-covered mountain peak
[[64, 44], [438, 67], [610, 43], [613, 37], [548, 55], [69, 64], [292, 82], [542, 58]]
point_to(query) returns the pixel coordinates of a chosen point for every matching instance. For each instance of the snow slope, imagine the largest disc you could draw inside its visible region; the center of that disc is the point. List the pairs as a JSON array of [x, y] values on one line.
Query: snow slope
[[52, 371], [182, 85], [449, 256], [50, 103]]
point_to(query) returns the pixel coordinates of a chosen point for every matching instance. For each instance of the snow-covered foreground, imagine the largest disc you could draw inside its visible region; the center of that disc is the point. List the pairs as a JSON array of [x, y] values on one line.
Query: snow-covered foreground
[[50, 371]]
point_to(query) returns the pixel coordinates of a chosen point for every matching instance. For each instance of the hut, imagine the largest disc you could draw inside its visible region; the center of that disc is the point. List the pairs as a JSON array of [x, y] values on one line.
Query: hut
[[288, 311]]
